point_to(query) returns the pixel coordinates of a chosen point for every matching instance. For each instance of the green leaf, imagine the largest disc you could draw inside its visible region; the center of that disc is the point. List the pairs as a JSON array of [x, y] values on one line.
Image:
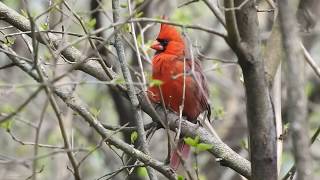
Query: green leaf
[[139, 40], [197, 139], [204, 146], [139, 1], [182, 16], [127, 28], [142, 172], [7, 108], [202, 177], [244, 143], [7, 124], [57, 1], [95, 112], [218, 68], [140, 14], [189, 141], [133, 136], [218, 112], [91, 23], [10, 41], [47, 56], [309, 88], [44, 26], [286, 126], [124, 5], [155, 82], [24, 13], [119, 80], [192, 142], [180, 177]]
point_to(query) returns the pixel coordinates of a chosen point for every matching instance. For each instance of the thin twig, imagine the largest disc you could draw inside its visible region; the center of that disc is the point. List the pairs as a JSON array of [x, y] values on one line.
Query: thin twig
[[144, 87], [7, 66], [51, 97], [113, 173], [187, 3], [310, 60], [21, 161], [216, 11], [92, 44], [99, 145], [54, 32], [131, 89], [314, 66], [187, 26], [22, 106], [48, 146], [36, 141], [221, 150]]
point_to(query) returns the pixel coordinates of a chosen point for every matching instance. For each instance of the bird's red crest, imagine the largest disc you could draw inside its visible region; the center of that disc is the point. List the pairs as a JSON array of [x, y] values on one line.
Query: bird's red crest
[[170, 33]]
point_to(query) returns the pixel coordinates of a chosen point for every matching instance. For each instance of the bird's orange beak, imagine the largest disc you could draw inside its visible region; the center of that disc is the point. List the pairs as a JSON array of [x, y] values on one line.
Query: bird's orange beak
[[157, 46]]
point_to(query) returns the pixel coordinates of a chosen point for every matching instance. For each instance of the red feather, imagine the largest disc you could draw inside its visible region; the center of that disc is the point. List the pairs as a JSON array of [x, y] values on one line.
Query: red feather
[[168, 66]]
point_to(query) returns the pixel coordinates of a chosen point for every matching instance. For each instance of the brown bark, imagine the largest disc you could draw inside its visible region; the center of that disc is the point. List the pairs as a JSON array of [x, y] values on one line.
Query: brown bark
[[243, 37]]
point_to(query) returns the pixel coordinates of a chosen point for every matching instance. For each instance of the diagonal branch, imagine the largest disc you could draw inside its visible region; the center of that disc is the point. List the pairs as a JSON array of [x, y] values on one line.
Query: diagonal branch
[[228, 157], [20, 108], [131, 89], [78, 106], [216, 11]]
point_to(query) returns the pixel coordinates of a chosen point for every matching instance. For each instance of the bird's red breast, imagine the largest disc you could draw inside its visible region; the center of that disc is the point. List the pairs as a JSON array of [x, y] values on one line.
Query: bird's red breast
[[168, 66]]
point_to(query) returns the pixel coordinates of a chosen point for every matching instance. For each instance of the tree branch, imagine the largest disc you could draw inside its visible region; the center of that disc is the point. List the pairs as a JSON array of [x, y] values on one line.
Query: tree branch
[[229, 157], [297, 101], [243, 37], [78, 106], [131, 89]]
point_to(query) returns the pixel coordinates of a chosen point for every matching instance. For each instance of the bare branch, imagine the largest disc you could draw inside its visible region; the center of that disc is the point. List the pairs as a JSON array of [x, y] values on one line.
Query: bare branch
[[297, 101], [77, 105], [221, 150], [310, 60], [23, 105], [244, 39], [216, 11], [131, 89]]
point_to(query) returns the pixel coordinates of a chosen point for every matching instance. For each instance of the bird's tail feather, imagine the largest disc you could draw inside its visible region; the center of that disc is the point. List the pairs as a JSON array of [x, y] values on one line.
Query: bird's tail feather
[[182, 151]]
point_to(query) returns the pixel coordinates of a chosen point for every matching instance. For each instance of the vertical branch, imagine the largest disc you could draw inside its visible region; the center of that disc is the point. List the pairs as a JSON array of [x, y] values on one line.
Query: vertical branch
[[122, 106], [43, 79], [276, 98], [67, 145], [36, 141], [131, 89], [78, 106], [133, 31], [216, 11], [272, 57], [243, 37], [297, 102]]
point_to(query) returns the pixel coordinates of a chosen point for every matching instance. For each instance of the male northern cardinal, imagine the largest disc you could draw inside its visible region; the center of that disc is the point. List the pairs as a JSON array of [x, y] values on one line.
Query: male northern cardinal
[[168, 66]]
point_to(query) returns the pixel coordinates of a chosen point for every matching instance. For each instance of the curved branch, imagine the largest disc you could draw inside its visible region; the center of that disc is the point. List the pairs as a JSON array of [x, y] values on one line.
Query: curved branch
[[131, 89], [229, 157], [78, 106]]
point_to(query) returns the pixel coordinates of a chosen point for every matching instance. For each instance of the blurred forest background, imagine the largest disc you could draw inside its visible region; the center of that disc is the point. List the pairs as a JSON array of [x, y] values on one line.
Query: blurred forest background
[[37, 120]]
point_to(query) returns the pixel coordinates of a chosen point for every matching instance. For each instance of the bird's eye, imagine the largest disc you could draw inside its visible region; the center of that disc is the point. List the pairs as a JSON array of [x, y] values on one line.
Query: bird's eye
[[163, 42]]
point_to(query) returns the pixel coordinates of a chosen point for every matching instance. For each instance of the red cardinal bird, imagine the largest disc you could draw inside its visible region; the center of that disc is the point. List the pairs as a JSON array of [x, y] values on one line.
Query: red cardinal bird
[[168, 66]]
